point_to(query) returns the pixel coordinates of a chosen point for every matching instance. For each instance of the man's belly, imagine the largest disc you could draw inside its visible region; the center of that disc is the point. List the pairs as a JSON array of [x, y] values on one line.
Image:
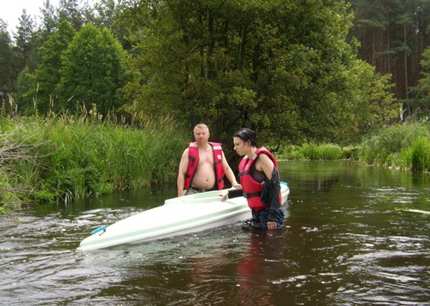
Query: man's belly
[[204, 178]]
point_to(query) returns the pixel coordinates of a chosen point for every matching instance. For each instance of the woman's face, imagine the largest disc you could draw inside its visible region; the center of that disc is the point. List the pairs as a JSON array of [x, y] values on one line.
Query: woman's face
[[241, 147]]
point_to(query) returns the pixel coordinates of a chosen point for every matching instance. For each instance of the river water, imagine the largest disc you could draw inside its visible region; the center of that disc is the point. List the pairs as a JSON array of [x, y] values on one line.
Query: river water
[[349, 239]]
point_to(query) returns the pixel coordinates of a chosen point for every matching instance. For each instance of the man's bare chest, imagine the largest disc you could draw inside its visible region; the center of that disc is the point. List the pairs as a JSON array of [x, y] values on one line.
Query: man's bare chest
[[206, 157]]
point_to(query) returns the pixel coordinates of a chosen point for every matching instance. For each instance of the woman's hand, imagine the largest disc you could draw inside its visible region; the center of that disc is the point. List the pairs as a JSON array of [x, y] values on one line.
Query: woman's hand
[[271, 225], [224, 195]]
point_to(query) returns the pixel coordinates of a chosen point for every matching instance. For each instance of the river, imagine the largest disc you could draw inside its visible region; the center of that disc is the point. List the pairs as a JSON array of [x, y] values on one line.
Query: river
[[349, 239]]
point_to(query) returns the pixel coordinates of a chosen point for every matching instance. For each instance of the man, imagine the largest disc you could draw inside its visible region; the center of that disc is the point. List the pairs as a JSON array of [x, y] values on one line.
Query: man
[[203, 165]]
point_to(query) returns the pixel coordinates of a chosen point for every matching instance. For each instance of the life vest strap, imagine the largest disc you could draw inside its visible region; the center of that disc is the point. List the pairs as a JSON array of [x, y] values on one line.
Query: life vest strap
[[251, 194]]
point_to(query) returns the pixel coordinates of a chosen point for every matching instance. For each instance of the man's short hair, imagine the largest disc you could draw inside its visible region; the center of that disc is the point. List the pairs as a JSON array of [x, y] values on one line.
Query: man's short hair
[[201, 126]]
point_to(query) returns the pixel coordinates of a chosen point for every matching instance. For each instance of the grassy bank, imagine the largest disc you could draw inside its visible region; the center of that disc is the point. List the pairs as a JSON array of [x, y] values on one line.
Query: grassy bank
[[405, 146], [59, 159], [312, 151]]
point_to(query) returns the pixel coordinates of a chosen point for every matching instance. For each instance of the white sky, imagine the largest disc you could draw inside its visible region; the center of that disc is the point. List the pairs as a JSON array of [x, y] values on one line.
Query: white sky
[[11, 10]]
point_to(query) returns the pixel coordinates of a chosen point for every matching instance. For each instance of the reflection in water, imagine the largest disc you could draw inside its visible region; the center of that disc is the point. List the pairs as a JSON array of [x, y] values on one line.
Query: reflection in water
[[349, 239], [258, 263]]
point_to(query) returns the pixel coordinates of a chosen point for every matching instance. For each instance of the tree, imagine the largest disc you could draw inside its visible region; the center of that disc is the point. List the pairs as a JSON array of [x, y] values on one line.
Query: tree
[[24, 40], [93, 71], [69, 9], [107, 11], [49, 18], [393, 35], [421, 101], [281, 67], [7, 72], [26, 91], [47, 74]]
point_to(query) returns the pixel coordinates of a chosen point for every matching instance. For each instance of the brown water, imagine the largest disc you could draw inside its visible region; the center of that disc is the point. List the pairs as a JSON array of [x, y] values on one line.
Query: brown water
[[349, 240]]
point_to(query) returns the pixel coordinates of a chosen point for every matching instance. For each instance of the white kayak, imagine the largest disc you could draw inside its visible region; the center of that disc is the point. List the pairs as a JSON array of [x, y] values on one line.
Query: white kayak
[[178, 216]]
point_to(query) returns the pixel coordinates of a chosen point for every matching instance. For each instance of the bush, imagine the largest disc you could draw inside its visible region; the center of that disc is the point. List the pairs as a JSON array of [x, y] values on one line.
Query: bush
[[404, 146], [313, 152], [417, 156], [379, 148]]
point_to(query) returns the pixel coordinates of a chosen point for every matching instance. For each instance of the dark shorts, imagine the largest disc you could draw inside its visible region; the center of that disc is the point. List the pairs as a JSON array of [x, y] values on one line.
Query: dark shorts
[[259, 219]]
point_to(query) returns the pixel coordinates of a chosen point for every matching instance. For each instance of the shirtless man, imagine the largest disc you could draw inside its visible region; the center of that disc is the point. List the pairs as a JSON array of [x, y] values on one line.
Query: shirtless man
[[203, 165]]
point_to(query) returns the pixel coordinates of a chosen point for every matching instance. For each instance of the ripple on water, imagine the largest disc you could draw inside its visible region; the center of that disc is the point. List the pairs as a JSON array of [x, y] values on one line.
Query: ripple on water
[[344, 244]]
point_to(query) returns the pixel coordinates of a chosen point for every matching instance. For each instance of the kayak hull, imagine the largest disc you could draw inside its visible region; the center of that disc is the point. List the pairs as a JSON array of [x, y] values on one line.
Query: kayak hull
[[178, 216]]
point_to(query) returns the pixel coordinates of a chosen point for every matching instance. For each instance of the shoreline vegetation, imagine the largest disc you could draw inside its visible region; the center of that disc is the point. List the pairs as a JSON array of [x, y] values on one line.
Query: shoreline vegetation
[[402, 147], [58, 159]]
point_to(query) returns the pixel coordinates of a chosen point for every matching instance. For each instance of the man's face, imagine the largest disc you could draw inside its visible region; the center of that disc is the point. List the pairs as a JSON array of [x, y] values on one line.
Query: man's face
[[201, 134]]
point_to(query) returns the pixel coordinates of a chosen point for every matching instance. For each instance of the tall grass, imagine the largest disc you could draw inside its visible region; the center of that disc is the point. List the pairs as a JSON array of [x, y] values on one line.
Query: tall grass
[[310, 151], [73, 158], [401, 146]]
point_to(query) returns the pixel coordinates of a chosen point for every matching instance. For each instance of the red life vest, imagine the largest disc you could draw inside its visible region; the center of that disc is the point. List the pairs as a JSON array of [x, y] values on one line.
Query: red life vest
[[193, 164], [251, 187]]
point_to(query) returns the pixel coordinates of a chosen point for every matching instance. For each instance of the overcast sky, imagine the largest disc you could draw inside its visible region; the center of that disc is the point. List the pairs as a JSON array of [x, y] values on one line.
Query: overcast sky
[[10, 10]]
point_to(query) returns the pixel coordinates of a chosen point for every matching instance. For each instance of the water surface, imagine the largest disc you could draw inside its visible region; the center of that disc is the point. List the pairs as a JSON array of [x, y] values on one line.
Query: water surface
[[349, 239]]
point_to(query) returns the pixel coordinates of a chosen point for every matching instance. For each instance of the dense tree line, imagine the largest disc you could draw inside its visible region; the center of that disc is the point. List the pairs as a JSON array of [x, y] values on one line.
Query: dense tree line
[[393, 36], [286, 68]]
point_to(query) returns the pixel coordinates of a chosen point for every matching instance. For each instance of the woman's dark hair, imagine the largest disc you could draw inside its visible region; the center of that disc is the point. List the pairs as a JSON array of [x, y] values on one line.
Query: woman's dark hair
[[247, 135]]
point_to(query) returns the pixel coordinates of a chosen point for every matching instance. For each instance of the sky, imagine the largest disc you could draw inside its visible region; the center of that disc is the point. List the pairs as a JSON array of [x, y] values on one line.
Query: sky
[[11, 10]]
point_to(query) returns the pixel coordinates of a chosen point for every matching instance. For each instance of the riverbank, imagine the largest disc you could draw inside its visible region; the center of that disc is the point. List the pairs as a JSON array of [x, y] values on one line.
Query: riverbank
[[402, 146], [48, 160]]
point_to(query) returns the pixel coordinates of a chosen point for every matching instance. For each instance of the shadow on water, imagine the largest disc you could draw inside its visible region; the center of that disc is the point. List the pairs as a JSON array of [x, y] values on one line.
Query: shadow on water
[[350, 238]]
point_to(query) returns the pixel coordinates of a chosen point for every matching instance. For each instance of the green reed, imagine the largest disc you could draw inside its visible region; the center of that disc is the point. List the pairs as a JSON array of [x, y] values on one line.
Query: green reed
[[63, 158], [311, 151], [405, 146]]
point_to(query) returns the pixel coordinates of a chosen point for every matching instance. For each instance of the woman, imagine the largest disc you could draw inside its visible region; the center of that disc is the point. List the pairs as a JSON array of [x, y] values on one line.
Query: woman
[[259, 177]]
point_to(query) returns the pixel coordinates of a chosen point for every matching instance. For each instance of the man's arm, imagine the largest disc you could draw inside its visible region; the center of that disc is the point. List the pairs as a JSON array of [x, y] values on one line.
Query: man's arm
[[183, 165], [228, 172]]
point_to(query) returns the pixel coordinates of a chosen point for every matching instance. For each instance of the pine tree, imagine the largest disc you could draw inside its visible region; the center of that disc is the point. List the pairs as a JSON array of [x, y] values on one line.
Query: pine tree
[[7, 73], [24, 40]]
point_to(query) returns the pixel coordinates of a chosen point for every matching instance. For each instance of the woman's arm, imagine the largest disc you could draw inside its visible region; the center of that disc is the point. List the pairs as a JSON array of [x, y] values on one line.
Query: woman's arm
[[265, 164]]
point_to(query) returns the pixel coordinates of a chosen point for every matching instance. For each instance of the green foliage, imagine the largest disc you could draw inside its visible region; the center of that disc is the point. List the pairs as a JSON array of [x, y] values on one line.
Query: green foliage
[[26, 91], [396, 146], [280, 67], [417, 156], [422, 90], [24, 39], [368, 103], [70, 10], [310, 151], [93, 71], [7, 71], [8, 198], [47, 74], [71, 158], [393, 37]]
